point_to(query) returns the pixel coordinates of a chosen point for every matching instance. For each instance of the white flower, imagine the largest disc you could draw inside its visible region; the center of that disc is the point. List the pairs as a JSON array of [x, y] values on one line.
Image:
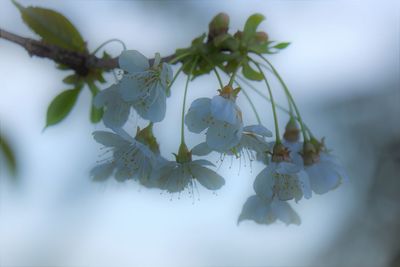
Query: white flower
[[144, 87], [116, 110], [284, 177], [220, 116], [130, 159], [325, 175], [251, 144], [266, 211], [175, 176]]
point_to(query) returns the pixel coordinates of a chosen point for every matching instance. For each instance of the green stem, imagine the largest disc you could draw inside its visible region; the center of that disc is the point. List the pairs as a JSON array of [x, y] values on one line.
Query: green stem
[[289, 95], [174, 78], [234, 74], [253, 107], [184, 102], [278, 137], [269, 100], [219, 78], [107, 42], [176, 59]]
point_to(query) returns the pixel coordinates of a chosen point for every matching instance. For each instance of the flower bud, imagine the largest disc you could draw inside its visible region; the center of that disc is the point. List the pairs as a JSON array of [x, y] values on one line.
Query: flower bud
[[219, 25], [292, 132], [261, 37]]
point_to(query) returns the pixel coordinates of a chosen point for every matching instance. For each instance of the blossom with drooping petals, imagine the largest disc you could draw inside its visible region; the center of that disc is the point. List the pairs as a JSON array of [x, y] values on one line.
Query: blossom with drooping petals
[[220, 116], [284, 177], [131, 159], [267, 211], [144, 87]]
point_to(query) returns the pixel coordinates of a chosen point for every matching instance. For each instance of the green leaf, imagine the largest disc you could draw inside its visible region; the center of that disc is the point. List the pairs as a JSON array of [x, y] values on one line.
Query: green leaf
[[71, 79], [250, 73], [53, 27], [8, 155], [281, 45], [251, 26], [61, 105]]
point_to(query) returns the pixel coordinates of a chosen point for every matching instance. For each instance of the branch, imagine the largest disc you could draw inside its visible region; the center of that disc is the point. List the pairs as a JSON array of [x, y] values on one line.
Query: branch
[[81, 63]]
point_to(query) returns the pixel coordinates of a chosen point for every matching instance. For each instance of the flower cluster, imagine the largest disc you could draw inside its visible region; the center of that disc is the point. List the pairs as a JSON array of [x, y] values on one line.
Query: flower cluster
[[296, 164]]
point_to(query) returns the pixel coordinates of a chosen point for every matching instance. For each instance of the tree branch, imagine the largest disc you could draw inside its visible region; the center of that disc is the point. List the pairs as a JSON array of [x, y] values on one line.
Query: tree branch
[[79, 62]]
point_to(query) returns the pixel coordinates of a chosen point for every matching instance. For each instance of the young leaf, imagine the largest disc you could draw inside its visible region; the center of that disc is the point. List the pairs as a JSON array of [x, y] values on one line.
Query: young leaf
[[281, 45], [251, 25], [250, 73], [53, 27], [61, 105]]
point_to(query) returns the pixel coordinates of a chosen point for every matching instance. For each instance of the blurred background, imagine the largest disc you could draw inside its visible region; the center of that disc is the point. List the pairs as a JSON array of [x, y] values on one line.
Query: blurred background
[[343, 69]]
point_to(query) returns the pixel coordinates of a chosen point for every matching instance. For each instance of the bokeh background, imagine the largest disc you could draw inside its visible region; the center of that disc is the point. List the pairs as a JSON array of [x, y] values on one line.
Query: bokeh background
[[343, 69]]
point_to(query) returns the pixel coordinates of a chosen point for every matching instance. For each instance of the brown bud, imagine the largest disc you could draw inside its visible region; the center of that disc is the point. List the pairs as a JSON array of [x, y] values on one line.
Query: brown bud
[[292, 132], [219, 25]]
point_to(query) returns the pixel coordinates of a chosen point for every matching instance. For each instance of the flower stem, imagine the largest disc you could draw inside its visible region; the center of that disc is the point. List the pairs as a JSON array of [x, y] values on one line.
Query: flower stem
[[107, 42], [234, 74], [277, 137], [173, 79], [184, 102], [269, 100], [176, 59], [289, 95], [219, 78], [253, 107]]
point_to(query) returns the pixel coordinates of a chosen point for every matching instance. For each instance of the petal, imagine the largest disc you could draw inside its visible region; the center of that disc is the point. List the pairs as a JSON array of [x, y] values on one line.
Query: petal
[[123, 174], [206, 177], [203, 162], [304, 184], [323, 177], [116, 115], [264, 183], [258, 129], [225, 110], [134, 86], [102, 172], [109, 139], [174, 179], [201, 149], [222, 136], [285, 212], [258, 210], [153, 106], [133, 61], [198, 116], [166, 75]]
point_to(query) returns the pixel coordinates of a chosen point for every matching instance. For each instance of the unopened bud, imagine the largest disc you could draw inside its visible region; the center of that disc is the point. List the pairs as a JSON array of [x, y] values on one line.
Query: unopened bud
[[292, 132], [219, 25]]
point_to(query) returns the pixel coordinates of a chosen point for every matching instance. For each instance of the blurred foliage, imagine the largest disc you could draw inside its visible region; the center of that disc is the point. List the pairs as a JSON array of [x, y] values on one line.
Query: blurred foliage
[[9, 156]]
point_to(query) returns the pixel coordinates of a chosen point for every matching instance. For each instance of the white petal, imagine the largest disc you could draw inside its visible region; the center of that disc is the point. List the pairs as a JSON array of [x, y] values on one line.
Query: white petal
[[258, 129], [134, 86], [116, 114], [201, 149], [323, 177], [304, 184], [206, 177], [198, 116], [102, 172], [222, 136], [166, 75], [285, 212], [258, 210], [203, 162], [133, 61], [109, 139], [264, 183], [225, 110], [152, 107]]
